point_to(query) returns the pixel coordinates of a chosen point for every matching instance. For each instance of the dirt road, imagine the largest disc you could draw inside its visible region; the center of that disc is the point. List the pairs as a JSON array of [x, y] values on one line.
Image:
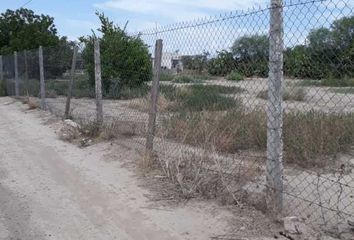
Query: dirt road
[[50, 189]]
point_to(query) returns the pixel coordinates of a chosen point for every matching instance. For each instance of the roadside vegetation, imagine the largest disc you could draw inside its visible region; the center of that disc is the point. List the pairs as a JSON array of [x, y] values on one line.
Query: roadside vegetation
[[344, 90], [289, 94], [329, 82], [310, 139], [234, 76], [2, 88], [191, 98]]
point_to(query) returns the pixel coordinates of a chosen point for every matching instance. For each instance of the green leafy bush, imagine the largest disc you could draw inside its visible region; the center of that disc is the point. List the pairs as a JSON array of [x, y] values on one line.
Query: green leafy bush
[[125, 60], [166, 76], [329, 82], [184, 79], [234, 76], [2, 88], [200, 97], [128, 92]]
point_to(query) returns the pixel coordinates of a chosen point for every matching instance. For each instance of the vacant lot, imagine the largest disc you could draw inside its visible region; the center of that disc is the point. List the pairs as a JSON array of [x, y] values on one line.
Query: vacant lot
[[214, 134], [54, 190]]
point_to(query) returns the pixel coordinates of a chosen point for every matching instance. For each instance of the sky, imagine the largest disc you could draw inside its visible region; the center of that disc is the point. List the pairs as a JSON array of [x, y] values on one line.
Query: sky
[[75, 18]]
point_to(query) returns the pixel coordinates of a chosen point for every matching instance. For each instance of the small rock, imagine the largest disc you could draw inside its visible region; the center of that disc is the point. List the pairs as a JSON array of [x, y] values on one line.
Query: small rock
[[292, 225], [71, 123]]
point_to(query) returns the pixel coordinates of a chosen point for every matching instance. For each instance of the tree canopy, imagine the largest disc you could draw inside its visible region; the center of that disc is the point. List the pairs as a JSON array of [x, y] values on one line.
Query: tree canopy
[[125, 60], [23, 29]]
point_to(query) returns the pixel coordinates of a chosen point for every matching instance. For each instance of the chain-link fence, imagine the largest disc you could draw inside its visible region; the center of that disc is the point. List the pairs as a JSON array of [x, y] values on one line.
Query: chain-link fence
[[254, 106]]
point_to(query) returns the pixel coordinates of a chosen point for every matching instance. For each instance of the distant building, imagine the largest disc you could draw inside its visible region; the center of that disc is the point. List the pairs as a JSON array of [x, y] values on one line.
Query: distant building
[[171, 61]]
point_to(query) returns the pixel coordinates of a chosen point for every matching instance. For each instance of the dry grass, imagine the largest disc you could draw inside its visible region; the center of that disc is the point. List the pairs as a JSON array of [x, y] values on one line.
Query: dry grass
[[230, 132], [82, 133], [31, 102], [114, 129], [314, 139], [144, 104], [310, 139], [289, 94], [203, 175]]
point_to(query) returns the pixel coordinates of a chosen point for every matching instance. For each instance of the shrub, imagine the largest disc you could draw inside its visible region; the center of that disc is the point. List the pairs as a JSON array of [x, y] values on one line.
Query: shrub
[[234, 76], [82, 87], [309, 138], [339, 82], [203, 76], [200, 97], [294, 94], [192, 77], [2, 88], [207, 101], [128, 92], [228, 132], [55, 87], [165, 75], [32, 103], [125, 59], [222, 64], [289, 94], [184, 79], [329, 82], [344, 90]]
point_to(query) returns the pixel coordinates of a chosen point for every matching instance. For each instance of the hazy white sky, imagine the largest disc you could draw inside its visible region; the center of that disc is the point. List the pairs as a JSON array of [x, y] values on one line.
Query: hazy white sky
[[76, 17]]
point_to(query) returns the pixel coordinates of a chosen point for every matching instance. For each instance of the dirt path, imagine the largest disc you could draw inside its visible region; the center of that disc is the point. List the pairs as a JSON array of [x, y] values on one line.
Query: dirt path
[[50, 189]]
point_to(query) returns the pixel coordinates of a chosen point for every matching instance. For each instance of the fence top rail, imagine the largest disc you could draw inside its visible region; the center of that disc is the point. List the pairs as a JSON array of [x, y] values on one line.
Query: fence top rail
[[220, 18]]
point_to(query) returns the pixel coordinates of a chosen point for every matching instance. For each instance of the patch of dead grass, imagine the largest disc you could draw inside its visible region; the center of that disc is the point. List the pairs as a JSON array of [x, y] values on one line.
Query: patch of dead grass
[[311, 139]]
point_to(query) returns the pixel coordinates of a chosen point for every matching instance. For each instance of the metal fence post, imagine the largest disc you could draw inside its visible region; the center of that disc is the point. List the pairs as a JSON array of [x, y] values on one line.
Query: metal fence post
[[154, 97], [71, 82], [41, 77], [274, 163], [17, 88], [98, 82]]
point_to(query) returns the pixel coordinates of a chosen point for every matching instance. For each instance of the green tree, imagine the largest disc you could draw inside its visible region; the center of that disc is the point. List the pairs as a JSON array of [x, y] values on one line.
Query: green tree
[[57, 59], [23, 29], [297, 62], [343, 37], [251, 55], [222, 64], [125, 60], [197, 62], [329, 53]]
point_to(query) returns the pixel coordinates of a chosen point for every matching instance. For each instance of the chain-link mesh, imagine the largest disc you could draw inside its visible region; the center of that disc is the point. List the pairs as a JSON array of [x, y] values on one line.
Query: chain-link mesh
[[213, 104]]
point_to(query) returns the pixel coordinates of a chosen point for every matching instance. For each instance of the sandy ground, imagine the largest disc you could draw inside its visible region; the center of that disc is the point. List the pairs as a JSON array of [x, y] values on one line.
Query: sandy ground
[[317, 199], [50, 189], [316, 98]]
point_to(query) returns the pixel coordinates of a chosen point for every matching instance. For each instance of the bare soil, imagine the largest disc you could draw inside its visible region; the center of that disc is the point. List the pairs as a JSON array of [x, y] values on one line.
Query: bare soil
[[50, 189]]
